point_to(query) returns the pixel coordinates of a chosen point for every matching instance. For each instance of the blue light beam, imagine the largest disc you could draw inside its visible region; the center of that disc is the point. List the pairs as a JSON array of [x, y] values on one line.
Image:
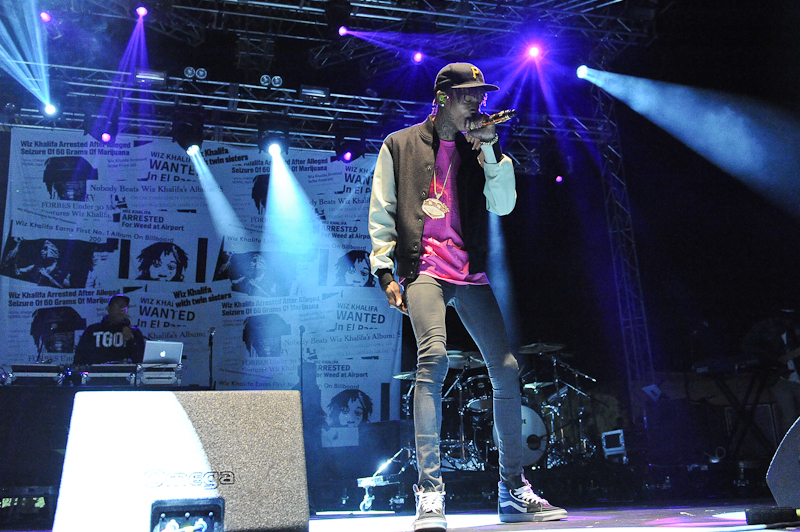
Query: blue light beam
[[23, 50], [748, 139], [293, 232], [226, 223], [290, 217]]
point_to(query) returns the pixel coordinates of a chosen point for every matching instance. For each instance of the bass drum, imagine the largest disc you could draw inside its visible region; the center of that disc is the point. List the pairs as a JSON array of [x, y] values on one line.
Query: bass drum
[[534, 438]]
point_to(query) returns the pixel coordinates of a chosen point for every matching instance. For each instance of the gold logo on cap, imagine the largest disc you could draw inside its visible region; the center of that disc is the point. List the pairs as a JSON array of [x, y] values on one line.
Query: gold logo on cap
[[475, 72]]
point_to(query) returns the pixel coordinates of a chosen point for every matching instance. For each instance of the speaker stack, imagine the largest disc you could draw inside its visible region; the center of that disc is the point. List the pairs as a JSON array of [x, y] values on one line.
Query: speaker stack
[[136, 460]]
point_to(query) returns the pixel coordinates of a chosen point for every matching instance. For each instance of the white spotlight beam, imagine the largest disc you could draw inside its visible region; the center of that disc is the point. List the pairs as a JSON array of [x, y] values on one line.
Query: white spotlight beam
[[22, 41], [226, 222], [748, 139]]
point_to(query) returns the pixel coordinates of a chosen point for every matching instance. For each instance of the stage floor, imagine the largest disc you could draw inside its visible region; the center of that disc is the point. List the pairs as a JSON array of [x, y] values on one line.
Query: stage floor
[[718, 517]]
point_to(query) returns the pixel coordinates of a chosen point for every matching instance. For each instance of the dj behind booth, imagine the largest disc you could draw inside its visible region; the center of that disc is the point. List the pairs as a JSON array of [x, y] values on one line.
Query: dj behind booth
[[37, 399], [114, 339], [109, 353]]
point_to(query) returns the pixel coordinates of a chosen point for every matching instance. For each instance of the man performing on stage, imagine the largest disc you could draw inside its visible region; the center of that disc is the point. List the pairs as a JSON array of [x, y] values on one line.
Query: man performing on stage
[[428, 221]]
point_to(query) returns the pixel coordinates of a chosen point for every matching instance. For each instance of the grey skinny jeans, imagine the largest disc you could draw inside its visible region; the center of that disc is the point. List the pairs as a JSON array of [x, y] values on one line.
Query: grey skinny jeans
[[426, 299]]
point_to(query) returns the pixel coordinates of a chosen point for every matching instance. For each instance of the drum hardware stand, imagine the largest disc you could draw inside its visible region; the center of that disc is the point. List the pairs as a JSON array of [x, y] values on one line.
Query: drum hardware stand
[[585, 447], [407, 401], [557, 381], [368, 483], [555, 456], [376, 479], [461, 444]]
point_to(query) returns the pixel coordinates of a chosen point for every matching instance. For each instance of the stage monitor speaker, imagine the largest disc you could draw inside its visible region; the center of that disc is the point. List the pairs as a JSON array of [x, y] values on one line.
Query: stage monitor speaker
[[783, 475], [128, 449]]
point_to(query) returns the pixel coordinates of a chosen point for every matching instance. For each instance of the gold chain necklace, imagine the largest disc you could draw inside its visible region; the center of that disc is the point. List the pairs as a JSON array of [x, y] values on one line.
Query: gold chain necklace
[[433, 207]]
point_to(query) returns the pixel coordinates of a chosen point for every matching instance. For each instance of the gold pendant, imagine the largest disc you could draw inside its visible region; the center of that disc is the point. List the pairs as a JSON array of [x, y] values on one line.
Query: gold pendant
[[434, 208]]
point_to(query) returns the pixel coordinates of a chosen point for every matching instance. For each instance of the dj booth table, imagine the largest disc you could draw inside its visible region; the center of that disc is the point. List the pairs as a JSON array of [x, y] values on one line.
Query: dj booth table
[[93, 375]]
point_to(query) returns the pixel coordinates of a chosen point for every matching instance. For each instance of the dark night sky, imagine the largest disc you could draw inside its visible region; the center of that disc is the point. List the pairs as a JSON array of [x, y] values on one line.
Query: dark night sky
[[710, 250]]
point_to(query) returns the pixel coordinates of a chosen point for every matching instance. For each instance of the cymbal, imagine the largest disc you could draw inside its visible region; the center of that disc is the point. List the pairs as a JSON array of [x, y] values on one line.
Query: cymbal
[[462, 355], [462, 359], [539, 348], [457, 352], [407, 376], [536, 385]]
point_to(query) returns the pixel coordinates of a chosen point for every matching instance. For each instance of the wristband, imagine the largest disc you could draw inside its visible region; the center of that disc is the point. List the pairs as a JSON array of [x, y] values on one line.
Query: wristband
[[490, 142]]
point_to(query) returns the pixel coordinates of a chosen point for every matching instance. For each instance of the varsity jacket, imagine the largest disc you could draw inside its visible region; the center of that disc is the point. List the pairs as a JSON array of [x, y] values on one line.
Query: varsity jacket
[[402, 181]]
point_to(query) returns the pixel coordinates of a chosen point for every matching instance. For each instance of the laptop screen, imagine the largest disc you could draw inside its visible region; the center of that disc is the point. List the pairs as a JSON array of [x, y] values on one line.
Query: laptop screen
[[159, 352]]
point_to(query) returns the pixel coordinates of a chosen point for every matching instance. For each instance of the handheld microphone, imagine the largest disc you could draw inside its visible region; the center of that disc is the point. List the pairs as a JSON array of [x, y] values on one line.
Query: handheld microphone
[[497, 118]]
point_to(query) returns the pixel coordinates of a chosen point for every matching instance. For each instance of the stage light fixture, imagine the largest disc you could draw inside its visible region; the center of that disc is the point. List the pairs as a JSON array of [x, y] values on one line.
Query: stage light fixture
[[52, 110], [45, 16], [113, 126], [338, 14], [10, 112], [198, 73], [141, 11], [266, 80], [342, 31], [348, 150], [534, 51], [155, 78], [418, 57], [187, 130], [311, 94], [88, 121], [582, 71], [272, 132]]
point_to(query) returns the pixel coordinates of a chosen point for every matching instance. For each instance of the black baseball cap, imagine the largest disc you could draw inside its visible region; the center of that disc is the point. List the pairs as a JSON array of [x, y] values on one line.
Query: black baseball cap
[[123, 297], [461, 76]]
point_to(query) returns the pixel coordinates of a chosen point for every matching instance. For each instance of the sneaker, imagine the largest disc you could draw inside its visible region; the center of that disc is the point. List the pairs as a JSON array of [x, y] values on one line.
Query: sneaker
[[430, 508], [522, 504]]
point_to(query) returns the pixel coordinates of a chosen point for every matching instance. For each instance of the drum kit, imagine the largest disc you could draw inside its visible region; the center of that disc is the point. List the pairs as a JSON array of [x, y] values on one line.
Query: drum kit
[[553, 431]]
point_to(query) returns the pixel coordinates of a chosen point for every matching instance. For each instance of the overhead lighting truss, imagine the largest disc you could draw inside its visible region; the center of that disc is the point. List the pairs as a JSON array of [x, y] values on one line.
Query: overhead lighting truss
[[610, 23], [233, 111]]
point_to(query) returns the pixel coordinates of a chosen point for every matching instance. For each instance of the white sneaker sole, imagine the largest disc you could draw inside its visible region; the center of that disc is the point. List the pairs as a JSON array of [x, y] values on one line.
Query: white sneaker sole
[[535, 517], [431, 525]]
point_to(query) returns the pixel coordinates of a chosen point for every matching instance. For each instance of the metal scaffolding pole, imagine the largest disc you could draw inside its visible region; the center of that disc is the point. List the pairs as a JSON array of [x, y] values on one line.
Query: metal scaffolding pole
[[630, 299]]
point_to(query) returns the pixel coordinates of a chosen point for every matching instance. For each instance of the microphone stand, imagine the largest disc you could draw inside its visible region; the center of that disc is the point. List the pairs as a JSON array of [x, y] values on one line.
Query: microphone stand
[[211, 383]]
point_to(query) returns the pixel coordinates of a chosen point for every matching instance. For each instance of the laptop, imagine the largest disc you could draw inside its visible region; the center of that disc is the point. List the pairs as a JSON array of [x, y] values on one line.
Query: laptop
[[159, 352]]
